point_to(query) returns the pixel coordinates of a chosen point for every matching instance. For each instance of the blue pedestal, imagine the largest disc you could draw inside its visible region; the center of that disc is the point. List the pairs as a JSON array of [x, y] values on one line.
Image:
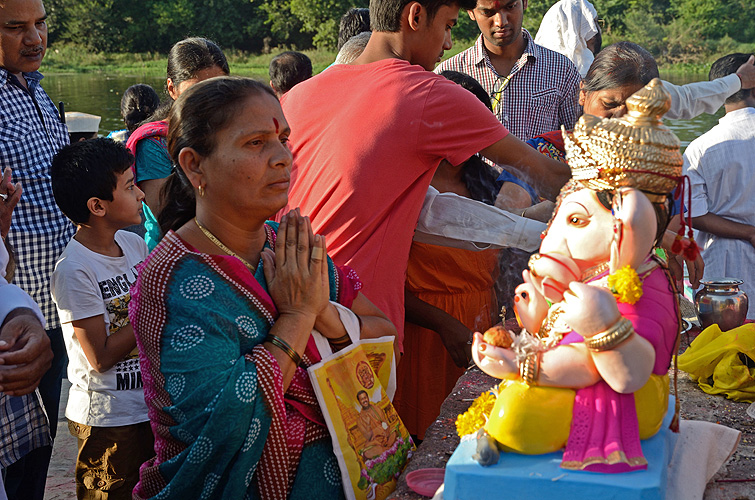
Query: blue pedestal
[[539, 476]]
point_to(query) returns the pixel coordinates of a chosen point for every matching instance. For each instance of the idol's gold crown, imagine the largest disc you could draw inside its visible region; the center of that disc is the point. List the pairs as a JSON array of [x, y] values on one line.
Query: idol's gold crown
[[636, 150]]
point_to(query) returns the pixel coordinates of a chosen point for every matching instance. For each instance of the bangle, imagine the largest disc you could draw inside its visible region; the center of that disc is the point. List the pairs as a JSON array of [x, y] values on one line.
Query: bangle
[[611, 338], [340, 340], [529, 369], [283, 346]]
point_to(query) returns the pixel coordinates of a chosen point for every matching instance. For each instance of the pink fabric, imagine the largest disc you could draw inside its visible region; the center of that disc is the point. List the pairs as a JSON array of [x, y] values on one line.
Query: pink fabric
[[604, 422], [151, 129], [366, 141]]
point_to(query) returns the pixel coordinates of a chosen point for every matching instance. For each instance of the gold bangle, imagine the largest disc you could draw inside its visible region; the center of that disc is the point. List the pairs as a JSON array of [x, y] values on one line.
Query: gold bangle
[[283, 346], [529, 369], [611, 338]]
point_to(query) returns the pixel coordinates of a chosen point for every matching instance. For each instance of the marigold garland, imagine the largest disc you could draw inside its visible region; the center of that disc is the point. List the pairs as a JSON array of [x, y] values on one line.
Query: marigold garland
[[626, 285], [476, 416]]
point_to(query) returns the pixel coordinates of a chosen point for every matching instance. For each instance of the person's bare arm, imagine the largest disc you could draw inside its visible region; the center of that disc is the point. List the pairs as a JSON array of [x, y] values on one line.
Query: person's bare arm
[[547, 176], [375, 323], [25, 353], [725, 228], [297, 279], [103, 351], [452, 332]]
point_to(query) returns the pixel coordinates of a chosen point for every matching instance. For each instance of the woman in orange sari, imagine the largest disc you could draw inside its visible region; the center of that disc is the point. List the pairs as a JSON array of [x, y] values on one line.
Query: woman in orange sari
[[449, 294]]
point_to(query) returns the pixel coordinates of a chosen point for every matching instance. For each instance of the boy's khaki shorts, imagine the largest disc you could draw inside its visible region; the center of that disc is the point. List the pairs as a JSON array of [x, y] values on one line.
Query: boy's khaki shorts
[[107, 466]]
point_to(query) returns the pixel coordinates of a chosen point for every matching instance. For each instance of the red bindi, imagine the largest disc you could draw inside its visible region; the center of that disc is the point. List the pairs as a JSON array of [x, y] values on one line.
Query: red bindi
[[275, 121]]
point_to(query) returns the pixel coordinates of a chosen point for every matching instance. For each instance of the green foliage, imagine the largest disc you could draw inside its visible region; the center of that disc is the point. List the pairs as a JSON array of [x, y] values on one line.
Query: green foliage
[[676, 32], [465, 30], [646, 28], [322, 17], [286, 29]]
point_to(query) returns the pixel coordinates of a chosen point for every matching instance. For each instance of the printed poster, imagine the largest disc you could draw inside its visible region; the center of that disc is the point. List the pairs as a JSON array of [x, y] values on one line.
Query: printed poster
[[370, 441]]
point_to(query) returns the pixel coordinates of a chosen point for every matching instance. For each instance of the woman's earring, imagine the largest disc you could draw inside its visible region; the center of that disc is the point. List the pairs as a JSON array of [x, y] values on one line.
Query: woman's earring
[[200, 189]]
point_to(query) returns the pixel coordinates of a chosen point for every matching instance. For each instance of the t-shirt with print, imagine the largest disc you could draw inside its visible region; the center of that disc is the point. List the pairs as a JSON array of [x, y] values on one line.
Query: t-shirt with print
[[367, 140], [86, 284]]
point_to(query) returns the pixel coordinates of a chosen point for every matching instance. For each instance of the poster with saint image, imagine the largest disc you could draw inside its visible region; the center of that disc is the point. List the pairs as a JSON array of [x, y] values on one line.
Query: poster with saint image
[[370, 441]]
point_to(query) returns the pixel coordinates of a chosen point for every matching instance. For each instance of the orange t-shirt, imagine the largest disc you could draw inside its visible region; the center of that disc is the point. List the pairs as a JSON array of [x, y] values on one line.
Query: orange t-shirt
[[366, 141]]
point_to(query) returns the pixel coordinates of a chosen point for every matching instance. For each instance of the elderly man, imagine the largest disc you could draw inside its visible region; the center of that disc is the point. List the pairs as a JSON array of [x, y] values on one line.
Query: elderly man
[[533, 89], [31, 134]]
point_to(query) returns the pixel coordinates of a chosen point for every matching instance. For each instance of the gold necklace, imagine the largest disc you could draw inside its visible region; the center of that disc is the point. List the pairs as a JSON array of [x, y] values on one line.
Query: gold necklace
[[224, 248], [594, 271]]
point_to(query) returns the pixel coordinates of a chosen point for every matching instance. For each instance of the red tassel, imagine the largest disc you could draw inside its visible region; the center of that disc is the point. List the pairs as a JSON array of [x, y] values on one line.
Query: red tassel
[[692, 250], [676, 246]]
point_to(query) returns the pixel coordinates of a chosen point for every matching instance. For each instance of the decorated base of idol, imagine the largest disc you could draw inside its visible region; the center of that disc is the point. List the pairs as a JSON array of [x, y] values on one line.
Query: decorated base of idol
[[521, 475], [583, 409]]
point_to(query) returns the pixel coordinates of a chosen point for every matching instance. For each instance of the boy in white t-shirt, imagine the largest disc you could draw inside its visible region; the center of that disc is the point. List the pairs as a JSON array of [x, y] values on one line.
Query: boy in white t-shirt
[[93, 185]]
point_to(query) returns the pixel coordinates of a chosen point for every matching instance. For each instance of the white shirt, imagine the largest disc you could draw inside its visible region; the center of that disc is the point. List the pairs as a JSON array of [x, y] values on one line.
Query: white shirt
[[87, 284], [566, 28], [721, 168], [694, 99], [450, 220]]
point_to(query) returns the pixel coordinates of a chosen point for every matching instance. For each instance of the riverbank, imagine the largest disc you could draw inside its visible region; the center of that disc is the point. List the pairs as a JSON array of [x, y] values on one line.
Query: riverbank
[[73, 59], [63, 58]]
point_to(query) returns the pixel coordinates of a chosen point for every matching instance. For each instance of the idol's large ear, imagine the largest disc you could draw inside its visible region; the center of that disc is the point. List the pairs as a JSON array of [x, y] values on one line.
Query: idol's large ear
[[634, 229]]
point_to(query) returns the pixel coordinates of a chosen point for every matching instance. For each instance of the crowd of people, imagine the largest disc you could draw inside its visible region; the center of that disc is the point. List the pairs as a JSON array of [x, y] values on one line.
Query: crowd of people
[[178, 267]]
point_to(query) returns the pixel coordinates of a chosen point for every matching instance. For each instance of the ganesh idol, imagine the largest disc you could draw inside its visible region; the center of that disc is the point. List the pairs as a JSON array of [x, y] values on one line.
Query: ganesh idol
[[600, 318]]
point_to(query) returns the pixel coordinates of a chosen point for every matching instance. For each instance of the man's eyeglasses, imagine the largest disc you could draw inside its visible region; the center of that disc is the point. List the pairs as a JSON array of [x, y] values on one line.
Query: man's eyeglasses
[[500, 86]]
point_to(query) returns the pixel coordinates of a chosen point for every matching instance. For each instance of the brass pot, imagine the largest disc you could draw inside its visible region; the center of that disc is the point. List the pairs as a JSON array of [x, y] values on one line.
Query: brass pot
[[721, 302]]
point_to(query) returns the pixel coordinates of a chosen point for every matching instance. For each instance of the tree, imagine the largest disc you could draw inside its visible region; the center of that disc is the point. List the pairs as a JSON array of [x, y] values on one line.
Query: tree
[[286, 29], [322, 18]]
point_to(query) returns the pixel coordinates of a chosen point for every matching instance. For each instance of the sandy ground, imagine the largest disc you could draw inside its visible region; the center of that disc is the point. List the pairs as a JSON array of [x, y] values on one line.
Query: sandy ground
[[60, 483], [735, 480]]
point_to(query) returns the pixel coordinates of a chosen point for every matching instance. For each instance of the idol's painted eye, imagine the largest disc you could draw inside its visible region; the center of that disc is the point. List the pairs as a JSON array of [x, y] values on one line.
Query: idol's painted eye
[[577, 220]]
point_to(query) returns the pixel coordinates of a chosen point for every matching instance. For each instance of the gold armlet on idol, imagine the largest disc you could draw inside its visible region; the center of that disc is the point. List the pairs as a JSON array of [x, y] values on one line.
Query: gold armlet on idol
[[611, 338], [529, 369]]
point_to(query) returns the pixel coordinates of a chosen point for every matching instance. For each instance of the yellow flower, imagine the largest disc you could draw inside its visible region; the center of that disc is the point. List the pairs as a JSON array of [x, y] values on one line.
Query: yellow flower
[[476, 416], [626, 285]]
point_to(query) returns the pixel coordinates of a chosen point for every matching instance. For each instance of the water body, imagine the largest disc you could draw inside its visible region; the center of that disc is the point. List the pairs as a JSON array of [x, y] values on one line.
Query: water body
[[101, 95]]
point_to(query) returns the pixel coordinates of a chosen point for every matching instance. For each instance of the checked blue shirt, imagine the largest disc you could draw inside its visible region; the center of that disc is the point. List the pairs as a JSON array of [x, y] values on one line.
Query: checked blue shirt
[[30, 134], [23, 427]]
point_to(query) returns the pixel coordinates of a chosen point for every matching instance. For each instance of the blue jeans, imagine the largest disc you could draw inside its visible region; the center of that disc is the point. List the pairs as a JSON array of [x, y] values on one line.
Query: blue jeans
[[25, 479]]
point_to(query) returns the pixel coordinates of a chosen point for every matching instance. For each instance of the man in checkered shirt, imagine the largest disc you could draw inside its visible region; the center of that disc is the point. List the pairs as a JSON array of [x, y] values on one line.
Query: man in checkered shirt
[[30, 134], [533, 90]]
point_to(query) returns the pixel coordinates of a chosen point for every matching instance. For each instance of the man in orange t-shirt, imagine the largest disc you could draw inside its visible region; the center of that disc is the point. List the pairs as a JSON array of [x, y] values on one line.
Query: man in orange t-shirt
[[367, 138]]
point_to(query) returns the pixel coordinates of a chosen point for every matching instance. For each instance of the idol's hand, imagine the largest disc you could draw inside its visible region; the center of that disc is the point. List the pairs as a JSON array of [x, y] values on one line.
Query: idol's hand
[[495, 361], [529, 304], [589, 309]]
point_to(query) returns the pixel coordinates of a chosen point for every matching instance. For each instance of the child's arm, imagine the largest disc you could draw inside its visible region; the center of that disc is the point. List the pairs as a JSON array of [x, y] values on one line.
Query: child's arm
[[103, 351]]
